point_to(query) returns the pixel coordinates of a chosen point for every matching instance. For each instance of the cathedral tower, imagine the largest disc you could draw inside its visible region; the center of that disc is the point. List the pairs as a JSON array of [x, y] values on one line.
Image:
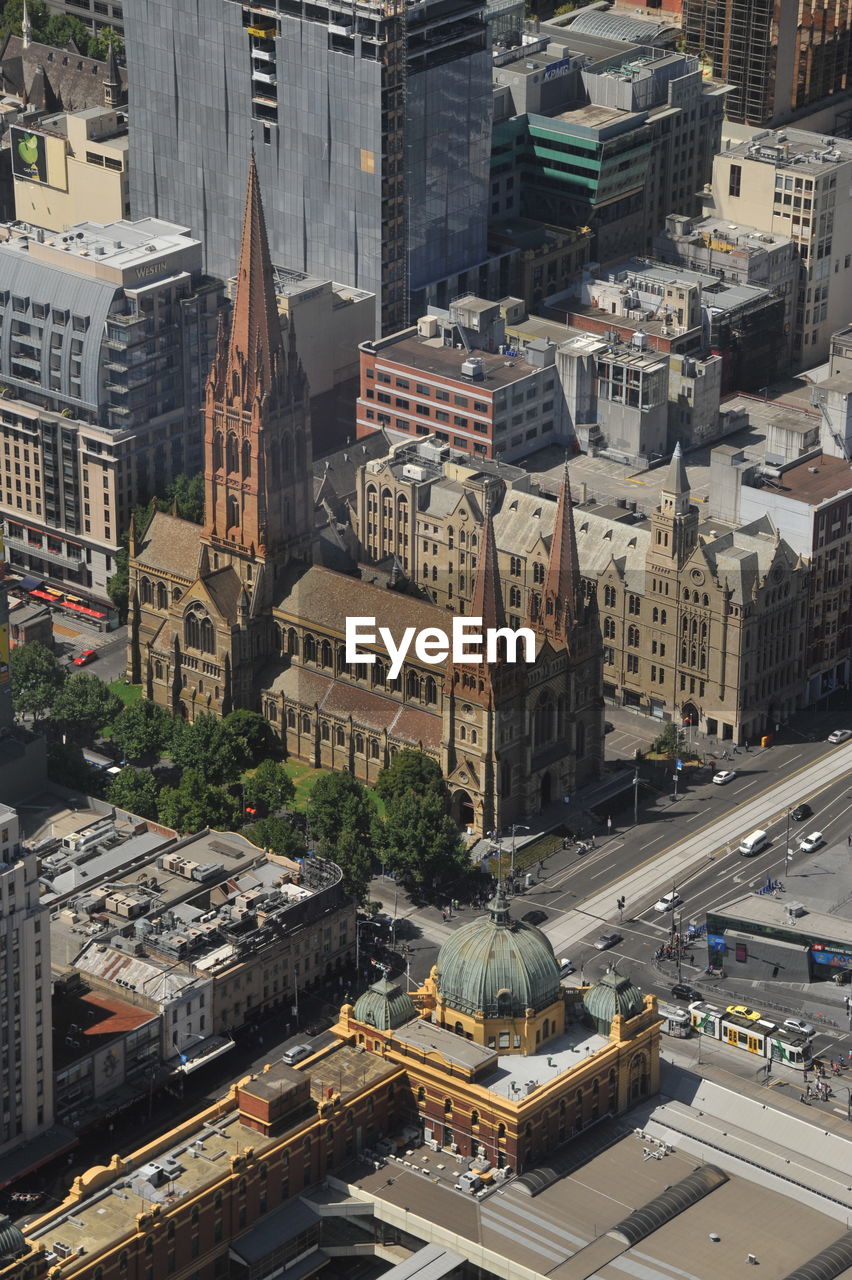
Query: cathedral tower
[[257, 443]]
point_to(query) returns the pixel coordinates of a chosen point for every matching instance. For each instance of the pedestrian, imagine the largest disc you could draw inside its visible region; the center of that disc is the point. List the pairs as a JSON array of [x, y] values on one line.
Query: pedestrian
[[808, 1090], [691, 958], [444, 916], [849, 841]]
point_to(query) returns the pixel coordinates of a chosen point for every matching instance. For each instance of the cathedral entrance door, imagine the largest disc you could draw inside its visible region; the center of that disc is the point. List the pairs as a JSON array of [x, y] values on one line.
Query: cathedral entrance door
[[461, 809], [546, 790]]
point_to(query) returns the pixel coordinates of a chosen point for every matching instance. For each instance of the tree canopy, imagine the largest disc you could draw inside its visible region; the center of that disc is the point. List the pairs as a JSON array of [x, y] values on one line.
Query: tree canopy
[[37, 678], [208, 747], [269, 785], [143, 730], [420, 841], [136, 791], [411, 771], [84, 706], [195, 804], [251, 734], [278, 835]]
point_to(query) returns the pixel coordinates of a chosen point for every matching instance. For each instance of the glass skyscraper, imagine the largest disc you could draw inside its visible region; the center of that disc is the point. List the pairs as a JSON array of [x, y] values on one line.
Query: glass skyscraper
[[371, 124]]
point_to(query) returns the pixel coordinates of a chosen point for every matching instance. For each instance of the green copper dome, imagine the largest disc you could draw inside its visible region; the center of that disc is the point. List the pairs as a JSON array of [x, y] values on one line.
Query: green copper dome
[[613, 994], [12, 1242], [385, 1006], [497, 966]]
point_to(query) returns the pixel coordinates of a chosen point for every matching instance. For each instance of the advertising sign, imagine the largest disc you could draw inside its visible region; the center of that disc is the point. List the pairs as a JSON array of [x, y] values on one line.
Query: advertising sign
[[836, 959], [29, 154]]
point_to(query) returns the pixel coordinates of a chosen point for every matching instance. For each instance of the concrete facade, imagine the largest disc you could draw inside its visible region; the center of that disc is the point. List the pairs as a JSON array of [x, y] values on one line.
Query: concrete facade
[[86, 155]]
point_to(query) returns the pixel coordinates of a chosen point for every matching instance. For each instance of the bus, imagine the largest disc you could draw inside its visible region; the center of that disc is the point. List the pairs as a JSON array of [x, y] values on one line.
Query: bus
[[759, 1036], [676, 1022]]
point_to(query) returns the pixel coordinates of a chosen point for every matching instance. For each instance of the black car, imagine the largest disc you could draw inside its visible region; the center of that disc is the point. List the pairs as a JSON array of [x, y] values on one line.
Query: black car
[[801, 812], [681, 991], [534, 917]]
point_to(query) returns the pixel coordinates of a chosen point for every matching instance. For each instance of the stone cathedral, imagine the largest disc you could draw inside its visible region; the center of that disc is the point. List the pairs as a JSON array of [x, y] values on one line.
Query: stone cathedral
[[233, 614]]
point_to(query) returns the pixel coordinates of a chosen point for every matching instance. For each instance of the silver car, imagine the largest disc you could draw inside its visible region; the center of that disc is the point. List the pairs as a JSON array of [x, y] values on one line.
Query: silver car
[[295, 1054]]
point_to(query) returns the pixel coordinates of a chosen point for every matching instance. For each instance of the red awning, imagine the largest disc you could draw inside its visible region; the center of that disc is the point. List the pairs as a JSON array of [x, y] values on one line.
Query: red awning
[[80, 608], [44, 595]]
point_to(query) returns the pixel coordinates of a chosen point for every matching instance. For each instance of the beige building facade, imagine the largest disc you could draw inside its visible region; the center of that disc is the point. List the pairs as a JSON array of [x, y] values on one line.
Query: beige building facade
[[705, 627], [85, 160], [797, 184]]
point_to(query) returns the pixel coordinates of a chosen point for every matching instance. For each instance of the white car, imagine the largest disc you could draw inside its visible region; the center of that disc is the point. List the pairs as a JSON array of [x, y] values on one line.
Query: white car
[[799, 1025], [565, 967], [814, 841], [840, 735], [723, 776], [669, 902], [296, 1054]]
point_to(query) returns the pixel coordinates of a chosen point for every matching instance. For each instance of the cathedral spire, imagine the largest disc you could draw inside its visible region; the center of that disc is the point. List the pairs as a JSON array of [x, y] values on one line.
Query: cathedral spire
[[26, 27], [677, 482], [487, 600], [255, 349], [557, 608]]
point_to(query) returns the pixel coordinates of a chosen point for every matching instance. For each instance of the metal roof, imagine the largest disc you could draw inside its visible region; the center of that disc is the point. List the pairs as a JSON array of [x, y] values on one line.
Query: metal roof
[[664, 1208], [615, 26], [828, 1263], [432, 1262]]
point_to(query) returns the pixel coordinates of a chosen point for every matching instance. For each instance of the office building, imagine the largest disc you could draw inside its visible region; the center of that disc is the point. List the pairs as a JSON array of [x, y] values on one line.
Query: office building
[[780, 59], [371, 128], [96, 14], [103, 352], [26, 1067], [796, 184], [808, 496], [78, 172], [612, 144]]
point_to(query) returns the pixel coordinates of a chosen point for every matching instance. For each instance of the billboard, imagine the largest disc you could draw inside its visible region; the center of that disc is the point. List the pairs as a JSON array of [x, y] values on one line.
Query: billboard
[[29, 154]]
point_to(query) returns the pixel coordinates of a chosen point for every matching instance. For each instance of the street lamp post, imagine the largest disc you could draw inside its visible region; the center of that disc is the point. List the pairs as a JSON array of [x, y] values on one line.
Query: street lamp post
[[516, 826], [636, 798]]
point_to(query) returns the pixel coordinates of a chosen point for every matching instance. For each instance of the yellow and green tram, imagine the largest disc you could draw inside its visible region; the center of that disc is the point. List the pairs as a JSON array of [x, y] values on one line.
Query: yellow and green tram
[[760, 1036]]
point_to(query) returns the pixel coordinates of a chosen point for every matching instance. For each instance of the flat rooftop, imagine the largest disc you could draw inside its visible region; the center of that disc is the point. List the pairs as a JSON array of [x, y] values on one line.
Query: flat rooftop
[[518, 1076], [593, 117], [814, 480], [429, 355]]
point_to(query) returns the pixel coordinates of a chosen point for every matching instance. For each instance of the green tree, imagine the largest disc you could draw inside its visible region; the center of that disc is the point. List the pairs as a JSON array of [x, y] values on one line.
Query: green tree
[[36, 679], [62, 27], [196, 804], [278, 835], [411, 771], [670, 741], [420, 841], [354, 856], [84, 706], [251, 734], [270, 784], [136, 791], [208, 747], [339, 802], [143, 730], [13, 16], [118, 586], [186, 493], [100, 45]]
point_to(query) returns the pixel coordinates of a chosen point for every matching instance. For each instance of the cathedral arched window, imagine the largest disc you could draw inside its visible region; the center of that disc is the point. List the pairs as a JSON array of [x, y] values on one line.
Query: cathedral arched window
[[431, 691], [374, 749], [514, 597], [412, 685], [339, 737], [359, 743], [325, 654], [310, 649], [158, 670], [191, 631], [538, 571], [292, 643], [287, 457], [300, 452], [218, 451], [233, 452], [162, 596], [705, 599], [291, 718], [145, 591], [325, 732], [473, 540], [306, 724], [379, 674], [207, 636], [543, 721], [176, 595], [233, 512], [663, 616], [655, 614], [246, 458]]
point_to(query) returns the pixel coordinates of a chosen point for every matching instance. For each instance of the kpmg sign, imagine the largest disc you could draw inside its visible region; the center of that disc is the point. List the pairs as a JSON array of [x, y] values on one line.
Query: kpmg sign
[[557, 70]]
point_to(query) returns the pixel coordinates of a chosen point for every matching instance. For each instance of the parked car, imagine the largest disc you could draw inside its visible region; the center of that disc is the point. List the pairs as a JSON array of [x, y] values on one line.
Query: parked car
[[801, 812], [814, 841], [609, 727], [743, 1011], [723, 776], [840, 735], [669, 902], [682, 991], [534, 917], [801, 1026], [295, 1054], [607, 940], [566, 967], [84, 658]]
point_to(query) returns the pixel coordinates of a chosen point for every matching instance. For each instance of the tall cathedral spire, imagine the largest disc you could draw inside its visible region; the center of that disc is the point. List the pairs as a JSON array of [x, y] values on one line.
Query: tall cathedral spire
[[257, 441], [26, 27], [255, 350], [556, 610]]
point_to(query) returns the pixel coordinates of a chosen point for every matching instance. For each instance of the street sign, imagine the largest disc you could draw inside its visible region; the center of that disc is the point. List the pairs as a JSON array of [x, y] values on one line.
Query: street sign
[[678, 764]]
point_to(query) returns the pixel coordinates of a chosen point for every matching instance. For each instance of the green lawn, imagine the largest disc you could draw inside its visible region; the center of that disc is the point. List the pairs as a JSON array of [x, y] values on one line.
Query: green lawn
[[127, 692], [305, 779]]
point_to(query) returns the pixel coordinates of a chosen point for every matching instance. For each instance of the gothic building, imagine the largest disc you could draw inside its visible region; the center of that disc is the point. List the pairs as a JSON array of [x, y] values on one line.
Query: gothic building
[[233, 614]]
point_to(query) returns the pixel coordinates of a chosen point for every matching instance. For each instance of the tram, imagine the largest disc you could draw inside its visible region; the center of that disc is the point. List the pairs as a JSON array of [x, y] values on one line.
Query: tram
[[761, 1037], [676, 1022]]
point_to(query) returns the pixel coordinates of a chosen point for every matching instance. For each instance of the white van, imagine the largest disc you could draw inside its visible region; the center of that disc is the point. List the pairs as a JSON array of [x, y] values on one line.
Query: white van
[[753, 844]]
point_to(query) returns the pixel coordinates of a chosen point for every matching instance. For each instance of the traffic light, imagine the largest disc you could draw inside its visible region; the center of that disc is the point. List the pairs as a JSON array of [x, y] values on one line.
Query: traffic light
[[621, 903]]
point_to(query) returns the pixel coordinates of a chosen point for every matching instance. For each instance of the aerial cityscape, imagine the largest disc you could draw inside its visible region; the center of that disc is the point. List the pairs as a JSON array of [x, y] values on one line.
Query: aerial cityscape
[[425, 640]]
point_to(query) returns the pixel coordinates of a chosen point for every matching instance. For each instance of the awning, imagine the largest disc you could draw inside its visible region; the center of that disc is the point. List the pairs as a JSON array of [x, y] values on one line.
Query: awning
[[198, 1055], [82, 608], [29, 584], [38, 1151]]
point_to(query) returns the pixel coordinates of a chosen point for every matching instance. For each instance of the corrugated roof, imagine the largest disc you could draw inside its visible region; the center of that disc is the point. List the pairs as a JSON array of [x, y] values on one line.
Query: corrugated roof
[[828, 1263], [664, 1208], [616, 26]]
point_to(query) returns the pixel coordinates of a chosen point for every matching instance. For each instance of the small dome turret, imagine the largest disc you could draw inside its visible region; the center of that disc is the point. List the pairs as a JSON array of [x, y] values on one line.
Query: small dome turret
[[612, 994], [384, 1006]]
